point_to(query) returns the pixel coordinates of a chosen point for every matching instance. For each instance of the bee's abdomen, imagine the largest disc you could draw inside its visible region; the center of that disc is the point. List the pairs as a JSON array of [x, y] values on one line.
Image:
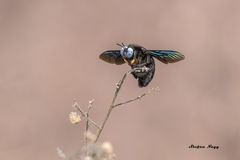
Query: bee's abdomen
[[144, 81], [144, 78]]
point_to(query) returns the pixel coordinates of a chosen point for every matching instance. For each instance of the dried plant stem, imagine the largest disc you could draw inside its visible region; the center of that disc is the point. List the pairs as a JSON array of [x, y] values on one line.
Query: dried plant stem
[[75, 105], [111, 107], [118, 88], [87, 126], [119, 85], [131, 100]]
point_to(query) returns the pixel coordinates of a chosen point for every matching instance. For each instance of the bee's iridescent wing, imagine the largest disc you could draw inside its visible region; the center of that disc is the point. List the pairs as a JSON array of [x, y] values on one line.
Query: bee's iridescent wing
[[112, 56], [167, 56]]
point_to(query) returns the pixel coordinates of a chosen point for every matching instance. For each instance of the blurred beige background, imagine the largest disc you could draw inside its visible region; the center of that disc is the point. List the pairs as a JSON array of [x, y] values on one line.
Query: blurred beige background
[[49, 56]]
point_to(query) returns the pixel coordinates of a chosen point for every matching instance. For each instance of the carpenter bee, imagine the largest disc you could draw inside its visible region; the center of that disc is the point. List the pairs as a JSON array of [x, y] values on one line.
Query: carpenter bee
[[138, 57]]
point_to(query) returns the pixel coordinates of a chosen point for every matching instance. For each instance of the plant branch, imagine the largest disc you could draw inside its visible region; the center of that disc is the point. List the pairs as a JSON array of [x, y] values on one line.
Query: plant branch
[[119, 86], [131, 100], [137, 98], [75, 105]]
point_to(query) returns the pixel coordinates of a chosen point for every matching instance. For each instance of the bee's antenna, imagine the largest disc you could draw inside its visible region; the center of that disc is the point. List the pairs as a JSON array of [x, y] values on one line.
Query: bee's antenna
[[119, 45]]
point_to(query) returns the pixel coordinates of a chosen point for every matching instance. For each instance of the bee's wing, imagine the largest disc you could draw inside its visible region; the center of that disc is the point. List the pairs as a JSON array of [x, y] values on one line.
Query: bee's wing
[[112, 56], [167, 56]]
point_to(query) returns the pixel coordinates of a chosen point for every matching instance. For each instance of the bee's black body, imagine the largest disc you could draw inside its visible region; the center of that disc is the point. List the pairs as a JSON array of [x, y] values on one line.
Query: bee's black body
[[144, 78], [142, 59], [137, 56]]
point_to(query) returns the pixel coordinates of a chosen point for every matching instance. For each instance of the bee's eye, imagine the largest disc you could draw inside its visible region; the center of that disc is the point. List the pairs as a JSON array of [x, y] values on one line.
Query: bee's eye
[[130, 52], [126, 52]]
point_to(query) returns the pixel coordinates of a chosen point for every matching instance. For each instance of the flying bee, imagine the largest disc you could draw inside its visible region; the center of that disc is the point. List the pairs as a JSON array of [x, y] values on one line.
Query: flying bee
[[139, 57]]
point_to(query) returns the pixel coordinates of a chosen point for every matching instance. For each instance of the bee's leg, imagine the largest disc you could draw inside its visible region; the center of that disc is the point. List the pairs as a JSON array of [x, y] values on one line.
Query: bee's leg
[[141, 65], [144, 81], [147, 62]]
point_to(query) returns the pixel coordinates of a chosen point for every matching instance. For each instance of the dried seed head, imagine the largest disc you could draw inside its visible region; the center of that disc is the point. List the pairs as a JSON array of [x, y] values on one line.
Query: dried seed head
[[75, 104], [91, 102], [74, 117], [107, 147], [98, 152], [61, 153], [87, 158], [90, 136]]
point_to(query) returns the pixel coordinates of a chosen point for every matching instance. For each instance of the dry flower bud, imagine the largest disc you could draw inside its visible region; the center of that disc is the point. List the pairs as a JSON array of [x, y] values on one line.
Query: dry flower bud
[[94, 151], [87, 158], [91, 102], [61, 153], [117, 85], [75, 104], [90, 136], [74, 118], [107, 147]]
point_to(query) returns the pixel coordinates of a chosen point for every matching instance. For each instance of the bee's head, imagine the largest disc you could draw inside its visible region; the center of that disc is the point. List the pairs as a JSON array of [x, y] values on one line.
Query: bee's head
[[126, 52]]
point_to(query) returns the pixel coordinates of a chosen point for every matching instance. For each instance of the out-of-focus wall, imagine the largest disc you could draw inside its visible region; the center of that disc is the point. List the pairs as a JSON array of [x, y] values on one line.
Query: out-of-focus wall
[[49, 57]]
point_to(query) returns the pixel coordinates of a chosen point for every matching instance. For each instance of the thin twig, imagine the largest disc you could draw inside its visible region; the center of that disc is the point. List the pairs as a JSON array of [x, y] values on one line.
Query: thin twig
[[156, 89], [119, 85], [111, 107], [131, 100], [85, 115], [87, 123]]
